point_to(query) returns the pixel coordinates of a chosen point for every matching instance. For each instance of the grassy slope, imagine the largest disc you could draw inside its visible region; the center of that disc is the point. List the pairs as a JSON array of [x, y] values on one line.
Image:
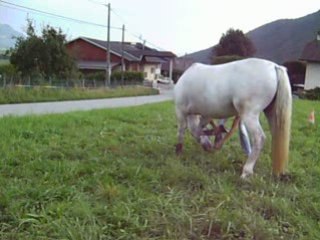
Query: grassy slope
[[42, 94], [4, 61], [113, 174]]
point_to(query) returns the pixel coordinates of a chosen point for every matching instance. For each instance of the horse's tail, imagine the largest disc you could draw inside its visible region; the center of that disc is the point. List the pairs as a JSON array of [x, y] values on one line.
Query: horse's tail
[[279, 116]]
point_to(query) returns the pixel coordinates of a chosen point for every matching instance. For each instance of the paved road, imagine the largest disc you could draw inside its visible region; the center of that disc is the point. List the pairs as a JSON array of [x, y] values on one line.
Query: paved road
[[68, 106]]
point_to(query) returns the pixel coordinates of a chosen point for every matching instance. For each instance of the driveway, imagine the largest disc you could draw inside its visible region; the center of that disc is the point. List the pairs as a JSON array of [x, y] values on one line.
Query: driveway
[[68, 106]]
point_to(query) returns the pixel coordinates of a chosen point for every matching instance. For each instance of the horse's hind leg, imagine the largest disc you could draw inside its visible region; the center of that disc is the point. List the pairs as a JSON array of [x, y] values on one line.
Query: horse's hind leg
[[244, 139], [258, 137], [182, 126]]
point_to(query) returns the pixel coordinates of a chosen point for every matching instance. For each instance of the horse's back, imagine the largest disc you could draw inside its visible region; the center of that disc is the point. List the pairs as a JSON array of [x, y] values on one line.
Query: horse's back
[[222, 89]]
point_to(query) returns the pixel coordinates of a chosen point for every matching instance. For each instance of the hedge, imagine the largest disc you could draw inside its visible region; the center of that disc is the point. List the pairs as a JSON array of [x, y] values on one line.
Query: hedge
[[312, 94], [7, 69], [129, 77]]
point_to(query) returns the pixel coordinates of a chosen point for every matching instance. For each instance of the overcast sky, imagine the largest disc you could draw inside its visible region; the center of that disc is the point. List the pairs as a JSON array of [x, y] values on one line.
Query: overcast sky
[[181, 26]]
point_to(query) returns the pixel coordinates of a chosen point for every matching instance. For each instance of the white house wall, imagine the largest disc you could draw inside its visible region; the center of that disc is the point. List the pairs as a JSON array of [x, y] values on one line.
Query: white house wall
[[312, 76], [149, 74]]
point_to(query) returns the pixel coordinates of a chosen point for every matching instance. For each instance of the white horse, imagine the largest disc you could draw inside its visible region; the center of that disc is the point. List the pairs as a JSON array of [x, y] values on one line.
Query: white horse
[[242, 88]]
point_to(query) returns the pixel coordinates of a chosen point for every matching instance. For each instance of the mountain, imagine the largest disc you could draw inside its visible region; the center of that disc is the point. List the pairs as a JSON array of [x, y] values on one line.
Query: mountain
[[203, 56], [279, 41], [285, 39], [7, 35]]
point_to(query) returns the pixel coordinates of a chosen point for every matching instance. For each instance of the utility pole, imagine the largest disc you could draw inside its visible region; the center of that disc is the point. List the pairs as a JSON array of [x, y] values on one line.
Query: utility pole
[[123, 67], [108, 68], [144, 43], [141, 68], [170, 69]]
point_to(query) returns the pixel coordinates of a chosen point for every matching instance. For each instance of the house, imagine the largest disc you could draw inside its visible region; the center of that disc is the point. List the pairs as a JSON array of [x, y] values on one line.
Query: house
[[311, 55], [90, 56], [179, 65]]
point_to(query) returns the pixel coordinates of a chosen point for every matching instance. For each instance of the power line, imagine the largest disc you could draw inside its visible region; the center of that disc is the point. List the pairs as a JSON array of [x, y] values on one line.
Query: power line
[[99, 3], [26, 9], [121, 18], [40, 12], [96, 2], [138, 36]]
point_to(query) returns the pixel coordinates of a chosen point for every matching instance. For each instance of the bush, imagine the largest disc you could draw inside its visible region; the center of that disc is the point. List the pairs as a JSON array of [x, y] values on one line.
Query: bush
[[129, 77], [98, 76], [7, 69], [312, 94]]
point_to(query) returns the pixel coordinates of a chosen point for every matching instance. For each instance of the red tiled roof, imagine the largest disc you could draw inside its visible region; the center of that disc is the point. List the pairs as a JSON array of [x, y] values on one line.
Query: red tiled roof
[[132, 51], [102, 65], [154, 60], [311, 52]]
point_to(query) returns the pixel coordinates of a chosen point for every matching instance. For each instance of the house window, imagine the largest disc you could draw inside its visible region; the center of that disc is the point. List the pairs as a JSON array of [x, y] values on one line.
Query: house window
[[152, 70], [145, 74]]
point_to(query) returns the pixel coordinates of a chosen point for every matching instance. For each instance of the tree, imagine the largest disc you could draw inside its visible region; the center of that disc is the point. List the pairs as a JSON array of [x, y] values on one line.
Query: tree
[[226, 59], [235, 42], [44, 55]]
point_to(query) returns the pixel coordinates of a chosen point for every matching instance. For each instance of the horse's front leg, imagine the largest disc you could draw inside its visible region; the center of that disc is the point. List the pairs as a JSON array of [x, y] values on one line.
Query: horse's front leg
[[182, 126]]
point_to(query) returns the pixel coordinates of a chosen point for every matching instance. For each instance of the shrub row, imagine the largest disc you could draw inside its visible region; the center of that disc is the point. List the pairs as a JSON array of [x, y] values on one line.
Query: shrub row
[[7, 69], [313, 94], [128, 77], [9, 74]]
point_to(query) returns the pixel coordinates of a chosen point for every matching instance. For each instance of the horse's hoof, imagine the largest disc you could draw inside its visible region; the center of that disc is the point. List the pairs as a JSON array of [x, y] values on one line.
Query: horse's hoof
[[246, 174], [218, 142], [179, 148], [205, 143], [207, 148], [217, 146]]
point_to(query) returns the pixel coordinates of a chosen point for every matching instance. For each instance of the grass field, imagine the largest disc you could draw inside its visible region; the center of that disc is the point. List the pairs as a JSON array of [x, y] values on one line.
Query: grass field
[[4, 61], [43, 94], [113, 174]]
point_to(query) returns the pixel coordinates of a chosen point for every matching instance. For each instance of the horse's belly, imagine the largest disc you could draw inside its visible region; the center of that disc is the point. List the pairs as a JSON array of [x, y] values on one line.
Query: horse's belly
[[219, 109], [222, 111]]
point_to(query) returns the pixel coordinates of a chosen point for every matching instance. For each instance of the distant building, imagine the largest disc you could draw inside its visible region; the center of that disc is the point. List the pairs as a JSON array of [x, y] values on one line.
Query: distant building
[[179, 65], [311, 54], [90, 56]]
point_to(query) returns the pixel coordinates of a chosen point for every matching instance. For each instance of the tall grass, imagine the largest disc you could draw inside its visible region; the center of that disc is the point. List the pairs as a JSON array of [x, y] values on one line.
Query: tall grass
[[44, 94], [113, 174]]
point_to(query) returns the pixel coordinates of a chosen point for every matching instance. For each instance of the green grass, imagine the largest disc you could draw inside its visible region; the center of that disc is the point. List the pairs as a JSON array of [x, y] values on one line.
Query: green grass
[[113, 174], [44, 94], [4, 61]]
